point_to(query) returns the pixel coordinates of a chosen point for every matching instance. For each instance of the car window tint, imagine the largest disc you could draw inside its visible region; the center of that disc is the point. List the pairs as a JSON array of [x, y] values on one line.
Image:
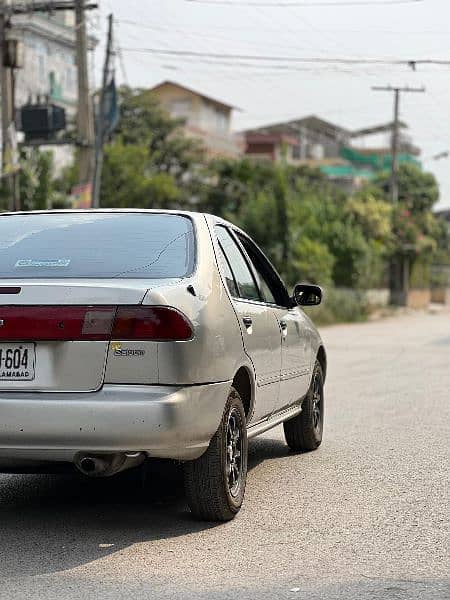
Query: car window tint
[[264, 286], [242, 274], [229, 278], [96, 245], [270, 284]]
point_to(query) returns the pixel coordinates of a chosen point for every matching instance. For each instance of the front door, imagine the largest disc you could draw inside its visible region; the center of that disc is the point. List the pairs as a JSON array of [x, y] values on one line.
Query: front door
[[295, 358], [259, 325]]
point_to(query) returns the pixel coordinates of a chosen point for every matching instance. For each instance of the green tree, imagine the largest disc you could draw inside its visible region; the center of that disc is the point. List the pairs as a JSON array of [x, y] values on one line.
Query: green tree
[[130, 181], [150, 163], [37, 187], [416, 231]]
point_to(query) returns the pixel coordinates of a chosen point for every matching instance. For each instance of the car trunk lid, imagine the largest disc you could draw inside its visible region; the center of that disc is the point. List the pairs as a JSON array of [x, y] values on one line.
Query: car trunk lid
[[52, 334]]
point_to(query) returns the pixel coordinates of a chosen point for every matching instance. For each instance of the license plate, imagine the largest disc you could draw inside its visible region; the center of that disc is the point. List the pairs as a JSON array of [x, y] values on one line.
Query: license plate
[[17, 362]]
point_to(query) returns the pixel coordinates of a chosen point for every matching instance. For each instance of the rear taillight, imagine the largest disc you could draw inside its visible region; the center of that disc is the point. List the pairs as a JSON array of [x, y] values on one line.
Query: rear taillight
[[150, 323], [93, 323], [59, 323]]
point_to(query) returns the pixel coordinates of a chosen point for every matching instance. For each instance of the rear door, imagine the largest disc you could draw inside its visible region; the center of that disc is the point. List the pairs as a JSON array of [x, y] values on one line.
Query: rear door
[[259, 325]]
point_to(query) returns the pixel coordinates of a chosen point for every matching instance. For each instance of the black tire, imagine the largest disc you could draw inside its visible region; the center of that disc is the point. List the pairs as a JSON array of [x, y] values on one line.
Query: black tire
[[208, 480], [304, 432]]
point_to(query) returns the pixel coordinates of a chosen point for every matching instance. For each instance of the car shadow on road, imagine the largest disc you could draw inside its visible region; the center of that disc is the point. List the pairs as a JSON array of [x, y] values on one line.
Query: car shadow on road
[[51, 523]]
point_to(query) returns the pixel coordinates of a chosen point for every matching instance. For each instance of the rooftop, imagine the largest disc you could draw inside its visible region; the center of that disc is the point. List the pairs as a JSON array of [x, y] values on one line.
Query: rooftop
[[219, 103]]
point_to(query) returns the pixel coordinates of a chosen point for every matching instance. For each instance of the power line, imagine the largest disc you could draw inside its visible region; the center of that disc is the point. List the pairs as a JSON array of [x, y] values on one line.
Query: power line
[[291, 59], [228, 29], [310, 4], [197, 34]]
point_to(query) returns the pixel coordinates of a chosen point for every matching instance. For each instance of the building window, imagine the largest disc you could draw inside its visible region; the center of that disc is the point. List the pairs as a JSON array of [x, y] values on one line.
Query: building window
[[180, 108], [41, 66], [222, 121], [70, 79]]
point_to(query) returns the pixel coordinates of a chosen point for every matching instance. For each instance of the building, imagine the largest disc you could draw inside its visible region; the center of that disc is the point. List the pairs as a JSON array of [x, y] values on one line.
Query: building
[[271, 146], [348, 158], [310, 138], [49, 68], [205, 118]]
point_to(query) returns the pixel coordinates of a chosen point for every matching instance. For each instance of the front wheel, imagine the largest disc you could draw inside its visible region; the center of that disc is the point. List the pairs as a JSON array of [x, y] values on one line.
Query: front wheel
[[215, 482], [304, 432]]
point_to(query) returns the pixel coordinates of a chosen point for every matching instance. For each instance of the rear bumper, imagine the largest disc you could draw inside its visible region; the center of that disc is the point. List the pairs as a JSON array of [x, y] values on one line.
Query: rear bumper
[[163, 421]]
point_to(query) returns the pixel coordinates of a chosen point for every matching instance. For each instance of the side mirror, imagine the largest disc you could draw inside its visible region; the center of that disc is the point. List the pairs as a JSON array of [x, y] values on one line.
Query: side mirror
[[306, 294]]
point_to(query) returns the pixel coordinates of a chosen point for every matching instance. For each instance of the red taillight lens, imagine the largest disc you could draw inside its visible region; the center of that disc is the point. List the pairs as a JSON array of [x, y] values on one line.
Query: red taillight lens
[[156, 323], [56, 323], [94, 323]]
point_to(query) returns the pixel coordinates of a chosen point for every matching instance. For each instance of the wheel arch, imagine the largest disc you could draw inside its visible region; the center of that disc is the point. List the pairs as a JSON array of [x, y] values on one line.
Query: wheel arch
[[322, 358], [243, 382]]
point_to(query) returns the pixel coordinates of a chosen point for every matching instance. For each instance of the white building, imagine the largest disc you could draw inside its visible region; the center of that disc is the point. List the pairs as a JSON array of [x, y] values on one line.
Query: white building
[[49, 65]]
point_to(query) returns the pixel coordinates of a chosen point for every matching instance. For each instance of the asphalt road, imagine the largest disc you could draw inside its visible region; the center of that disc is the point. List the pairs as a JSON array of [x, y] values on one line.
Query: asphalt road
[[365, 517]]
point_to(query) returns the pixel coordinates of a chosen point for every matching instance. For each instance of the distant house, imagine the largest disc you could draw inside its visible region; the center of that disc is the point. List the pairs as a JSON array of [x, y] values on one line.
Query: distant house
[[372, 147], [444, 214], [309, 138], [205, 118], [271, 146], [348, 158]]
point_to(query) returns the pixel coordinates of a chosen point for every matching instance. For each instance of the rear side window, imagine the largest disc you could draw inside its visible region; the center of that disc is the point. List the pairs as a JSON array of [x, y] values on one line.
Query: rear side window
[[96, 245], [229, 277], [239, 267]]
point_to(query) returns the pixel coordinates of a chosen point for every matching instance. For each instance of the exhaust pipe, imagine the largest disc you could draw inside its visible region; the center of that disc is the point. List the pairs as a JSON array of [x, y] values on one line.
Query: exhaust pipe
[[106, 465]]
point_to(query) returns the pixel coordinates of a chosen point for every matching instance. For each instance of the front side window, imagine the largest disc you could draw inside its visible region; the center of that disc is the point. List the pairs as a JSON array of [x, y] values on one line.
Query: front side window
[[246, 284], [96, 245]]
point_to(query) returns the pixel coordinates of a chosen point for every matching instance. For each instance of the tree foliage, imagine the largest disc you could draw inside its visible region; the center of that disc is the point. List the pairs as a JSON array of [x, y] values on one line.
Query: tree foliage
[[150, 163], [311, 230]]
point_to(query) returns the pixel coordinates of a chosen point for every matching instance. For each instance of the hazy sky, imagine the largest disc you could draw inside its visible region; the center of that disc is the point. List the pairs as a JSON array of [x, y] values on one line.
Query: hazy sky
[[342, 94]]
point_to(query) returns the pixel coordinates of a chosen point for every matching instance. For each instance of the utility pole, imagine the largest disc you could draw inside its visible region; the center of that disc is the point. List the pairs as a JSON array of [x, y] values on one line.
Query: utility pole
[[399, 268], [100, 137], [7, 101], [85, 116], [5, 86], [395, 133]]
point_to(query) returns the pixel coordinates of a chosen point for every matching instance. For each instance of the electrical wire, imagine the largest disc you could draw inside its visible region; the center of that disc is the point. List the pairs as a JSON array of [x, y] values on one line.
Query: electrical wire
[[200, 35], [199, 32], [291, 59], [309, 4]]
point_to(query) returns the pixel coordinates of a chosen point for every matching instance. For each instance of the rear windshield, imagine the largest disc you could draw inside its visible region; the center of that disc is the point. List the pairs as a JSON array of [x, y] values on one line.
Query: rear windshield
[[96, 245]]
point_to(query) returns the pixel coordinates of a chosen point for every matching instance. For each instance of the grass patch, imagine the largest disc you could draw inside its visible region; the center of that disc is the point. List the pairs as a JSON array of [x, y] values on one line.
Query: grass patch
[[341, 305]]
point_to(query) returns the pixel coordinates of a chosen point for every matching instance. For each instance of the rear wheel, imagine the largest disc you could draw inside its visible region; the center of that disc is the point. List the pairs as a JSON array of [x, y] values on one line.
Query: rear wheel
[[304, 432], [215, 482]]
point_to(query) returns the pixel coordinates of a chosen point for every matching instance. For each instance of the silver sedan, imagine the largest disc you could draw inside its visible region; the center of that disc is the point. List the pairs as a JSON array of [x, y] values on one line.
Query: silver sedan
[[127, 335]]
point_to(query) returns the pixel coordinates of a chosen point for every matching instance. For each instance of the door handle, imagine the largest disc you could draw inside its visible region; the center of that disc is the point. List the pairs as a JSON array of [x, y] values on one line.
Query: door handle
[[248, 322], [284, 328]]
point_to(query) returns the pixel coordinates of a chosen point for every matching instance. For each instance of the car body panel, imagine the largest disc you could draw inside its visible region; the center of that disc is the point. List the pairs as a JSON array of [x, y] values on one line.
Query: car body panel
[[296, 345], [295, 355], [69, 365], [262, 343], [163, 421]]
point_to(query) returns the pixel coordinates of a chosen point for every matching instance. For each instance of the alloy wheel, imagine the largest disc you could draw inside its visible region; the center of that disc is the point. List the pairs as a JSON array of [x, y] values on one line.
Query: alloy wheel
[[234, 452]]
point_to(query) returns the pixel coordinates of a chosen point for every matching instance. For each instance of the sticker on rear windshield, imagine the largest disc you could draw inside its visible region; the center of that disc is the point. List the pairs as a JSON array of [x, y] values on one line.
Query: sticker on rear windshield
[[55, 263]]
